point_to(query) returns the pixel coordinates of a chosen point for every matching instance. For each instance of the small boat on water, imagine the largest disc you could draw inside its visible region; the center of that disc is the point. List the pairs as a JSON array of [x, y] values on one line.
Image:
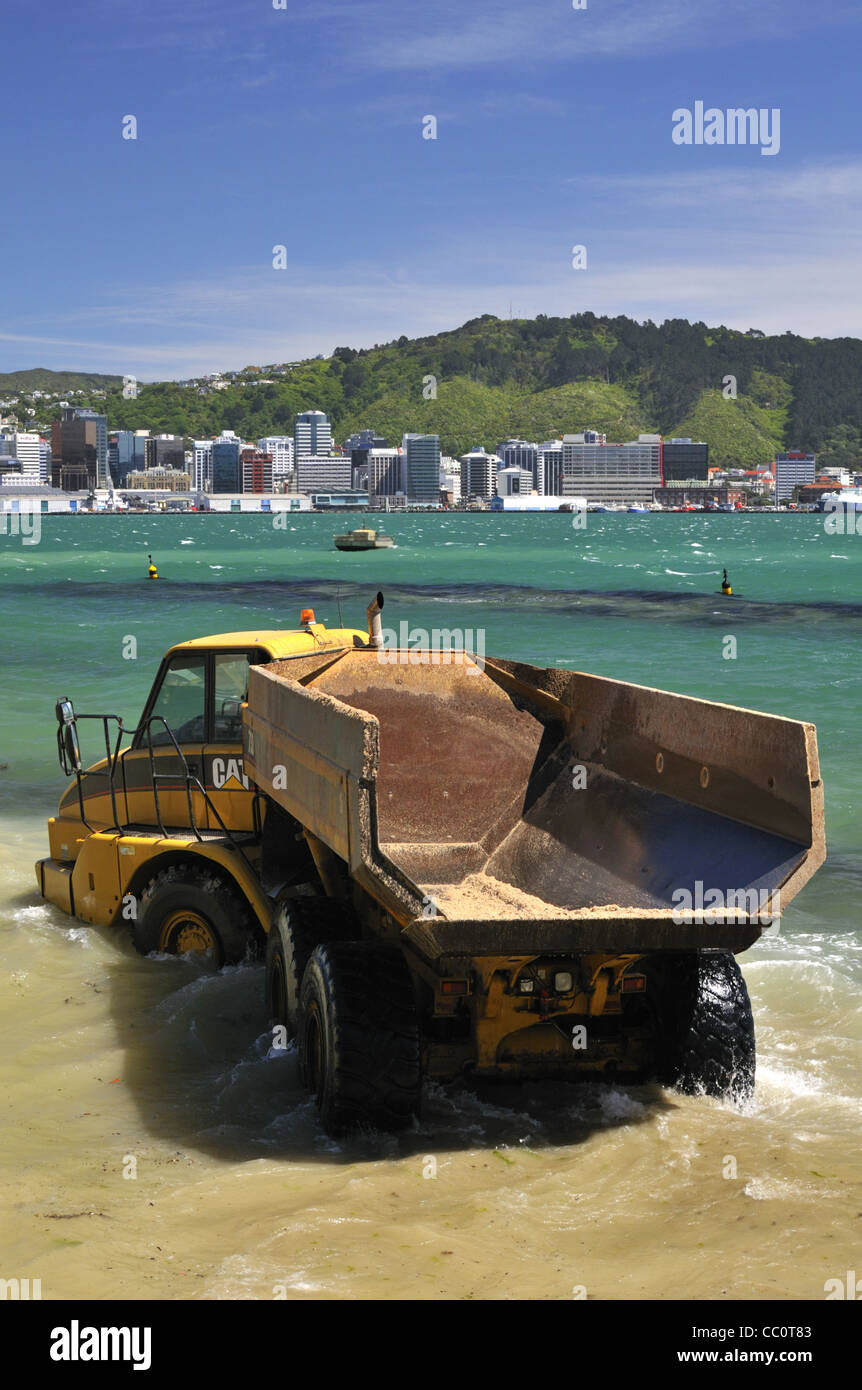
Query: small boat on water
[[363, 538]]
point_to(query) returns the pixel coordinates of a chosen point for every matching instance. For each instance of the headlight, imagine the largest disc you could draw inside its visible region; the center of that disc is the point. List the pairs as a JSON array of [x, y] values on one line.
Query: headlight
[[563, 982], [526, 985]]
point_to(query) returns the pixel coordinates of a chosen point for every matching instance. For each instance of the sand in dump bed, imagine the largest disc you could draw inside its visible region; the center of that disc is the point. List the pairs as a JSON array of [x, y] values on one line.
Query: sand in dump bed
[[481, 897]]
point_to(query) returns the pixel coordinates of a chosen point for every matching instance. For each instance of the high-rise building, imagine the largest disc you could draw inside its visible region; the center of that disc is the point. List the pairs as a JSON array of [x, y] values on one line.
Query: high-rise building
[[518, 453], [422, 463], [103, 476], [281, 448], [359, 447], [226, 474], [165, 451], [202, 465], [312, 434], [685, 460], [514, 482], [621, 473], [549, 468], [127, 453], [792, 469], [386, 469], [256, 470], [75, 451], [26, 449], [479, 474], [323, 473]]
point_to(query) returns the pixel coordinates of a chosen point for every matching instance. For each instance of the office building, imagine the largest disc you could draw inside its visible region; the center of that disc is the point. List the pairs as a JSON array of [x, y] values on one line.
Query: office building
[[386, 473], [225, 467], [325, 473], [127, 453], [202, 464], [256, 470], [611, 473], [312, 435], [549, 468], [281, 448], [479, 474], [422, 459], [165, 451], [792, 470], [518, 453], [26, 449], [685, 461], [75, 452], [160, 480], [514, 482]]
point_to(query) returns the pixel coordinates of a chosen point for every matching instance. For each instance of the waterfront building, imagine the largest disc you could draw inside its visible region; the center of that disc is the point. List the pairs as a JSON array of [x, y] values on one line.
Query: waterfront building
[[165, 451], [226, 474], [422, 462], [549, 468], [685, 460], [386, 472], [792, 469], [479, 474], [281, 448], [160, 479], [323, 473], [611, 473], [25, 448], [127, 453], [256, 470], [514, 482], [518, 453], [312, 435]]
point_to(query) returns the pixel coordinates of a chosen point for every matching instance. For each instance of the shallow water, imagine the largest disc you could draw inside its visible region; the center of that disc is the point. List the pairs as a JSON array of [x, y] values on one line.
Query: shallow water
[[112, 1064]]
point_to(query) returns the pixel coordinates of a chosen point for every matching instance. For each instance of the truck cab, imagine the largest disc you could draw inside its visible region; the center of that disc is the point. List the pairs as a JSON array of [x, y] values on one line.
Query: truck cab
[[178, 772]]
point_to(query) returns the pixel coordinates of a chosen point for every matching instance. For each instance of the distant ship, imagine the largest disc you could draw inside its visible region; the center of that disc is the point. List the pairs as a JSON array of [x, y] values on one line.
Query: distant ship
[[363, 538]]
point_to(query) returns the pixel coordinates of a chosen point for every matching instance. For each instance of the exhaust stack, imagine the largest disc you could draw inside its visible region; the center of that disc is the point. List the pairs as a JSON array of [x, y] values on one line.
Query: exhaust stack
[[375, 626]]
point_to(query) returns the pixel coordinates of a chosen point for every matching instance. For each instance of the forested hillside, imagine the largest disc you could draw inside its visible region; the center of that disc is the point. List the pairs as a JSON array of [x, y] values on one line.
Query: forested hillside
[[538, 378]]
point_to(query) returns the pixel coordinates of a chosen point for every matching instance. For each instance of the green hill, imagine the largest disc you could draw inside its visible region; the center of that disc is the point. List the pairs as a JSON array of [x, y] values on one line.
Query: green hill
[[536, 379], [41, 379]]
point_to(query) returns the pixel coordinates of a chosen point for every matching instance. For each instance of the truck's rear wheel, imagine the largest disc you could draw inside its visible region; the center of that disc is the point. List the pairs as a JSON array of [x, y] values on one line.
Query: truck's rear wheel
[[706, 1029], [184, 908], [359, 1037], [299, 925]]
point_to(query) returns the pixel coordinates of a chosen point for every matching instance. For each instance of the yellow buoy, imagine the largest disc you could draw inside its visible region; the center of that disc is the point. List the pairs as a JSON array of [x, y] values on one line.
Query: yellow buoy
[[152, 572]]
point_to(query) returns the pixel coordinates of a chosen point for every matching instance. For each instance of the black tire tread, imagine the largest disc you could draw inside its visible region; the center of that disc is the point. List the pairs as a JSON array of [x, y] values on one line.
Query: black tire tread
[[235, 925], [299, 925], [373, 1033], [708, 1045]]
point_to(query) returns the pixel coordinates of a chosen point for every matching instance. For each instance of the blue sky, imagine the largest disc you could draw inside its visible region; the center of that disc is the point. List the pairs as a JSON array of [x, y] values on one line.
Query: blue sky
[[303, 127]]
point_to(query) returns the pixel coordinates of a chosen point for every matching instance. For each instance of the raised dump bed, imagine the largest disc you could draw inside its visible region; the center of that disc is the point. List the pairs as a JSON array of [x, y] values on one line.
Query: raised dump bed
[[496, 806]]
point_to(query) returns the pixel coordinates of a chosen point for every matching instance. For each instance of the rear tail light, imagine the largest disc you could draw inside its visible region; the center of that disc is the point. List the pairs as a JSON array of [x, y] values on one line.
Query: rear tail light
[[633, 984], [454, 987]]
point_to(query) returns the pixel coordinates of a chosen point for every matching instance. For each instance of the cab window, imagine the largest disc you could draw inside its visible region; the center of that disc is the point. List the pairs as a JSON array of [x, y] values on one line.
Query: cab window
[[181, 701], [230, 690]]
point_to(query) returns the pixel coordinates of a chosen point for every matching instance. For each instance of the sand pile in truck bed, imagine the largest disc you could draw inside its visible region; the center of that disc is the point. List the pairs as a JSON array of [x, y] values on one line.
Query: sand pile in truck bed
[[481, 897]]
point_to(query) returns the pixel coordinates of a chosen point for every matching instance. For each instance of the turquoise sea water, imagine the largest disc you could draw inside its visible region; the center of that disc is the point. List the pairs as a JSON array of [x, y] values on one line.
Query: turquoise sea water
[[632, 597]]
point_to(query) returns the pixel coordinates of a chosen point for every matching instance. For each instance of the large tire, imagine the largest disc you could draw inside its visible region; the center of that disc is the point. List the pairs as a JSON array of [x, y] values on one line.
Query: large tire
[[706, 1029], [359, 1037], [299, 925], [187, 908]]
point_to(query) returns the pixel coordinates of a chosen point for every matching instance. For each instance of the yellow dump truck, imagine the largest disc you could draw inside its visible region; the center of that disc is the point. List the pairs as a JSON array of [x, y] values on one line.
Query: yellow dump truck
[[456, 866]]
